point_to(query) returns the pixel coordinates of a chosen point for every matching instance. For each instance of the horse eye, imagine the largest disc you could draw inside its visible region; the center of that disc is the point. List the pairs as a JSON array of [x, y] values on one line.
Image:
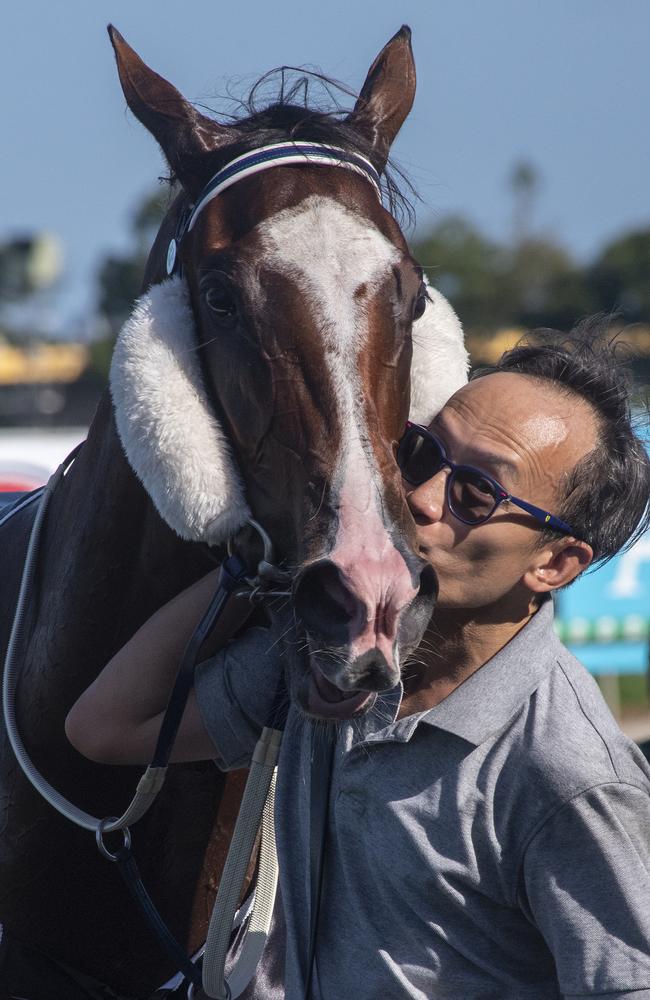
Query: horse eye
[[220, 302], [420, 303]]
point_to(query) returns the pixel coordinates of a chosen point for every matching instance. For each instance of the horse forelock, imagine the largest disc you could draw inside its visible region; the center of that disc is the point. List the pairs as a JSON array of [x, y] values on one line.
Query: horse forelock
[[289, 104]]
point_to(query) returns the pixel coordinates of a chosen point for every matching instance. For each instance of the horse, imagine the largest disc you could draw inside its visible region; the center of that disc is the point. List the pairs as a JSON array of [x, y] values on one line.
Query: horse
[[302, 303]]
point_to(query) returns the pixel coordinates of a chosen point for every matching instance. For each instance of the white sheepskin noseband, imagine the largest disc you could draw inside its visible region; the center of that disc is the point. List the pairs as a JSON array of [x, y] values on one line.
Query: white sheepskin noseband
[[171, 437], [440, 362]]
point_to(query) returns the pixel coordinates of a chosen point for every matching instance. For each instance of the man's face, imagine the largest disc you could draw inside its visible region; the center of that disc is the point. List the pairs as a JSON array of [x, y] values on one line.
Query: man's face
[[528, 436]]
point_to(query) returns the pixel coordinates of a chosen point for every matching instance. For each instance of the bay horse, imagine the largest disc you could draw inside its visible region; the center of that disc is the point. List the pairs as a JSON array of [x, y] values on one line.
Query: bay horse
[[304, 300]]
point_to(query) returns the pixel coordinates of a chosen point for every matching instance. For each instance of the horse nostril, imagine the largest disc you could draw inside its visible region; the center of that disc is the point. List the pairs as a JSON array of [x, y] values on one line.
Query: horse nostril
[[324, 603], [428, 583], [374, 673]]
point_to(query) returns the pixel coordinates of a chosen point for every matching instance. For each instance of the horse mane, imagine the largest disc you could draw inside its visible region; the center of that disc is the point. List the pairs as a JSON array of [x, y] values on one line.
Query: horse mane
[[291, 103]]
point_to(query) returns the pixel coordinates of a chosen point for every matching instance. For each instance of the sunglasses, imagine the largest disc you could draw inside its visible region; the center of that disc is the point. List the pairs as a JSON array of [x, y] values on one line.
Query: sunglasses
[[472, 496]]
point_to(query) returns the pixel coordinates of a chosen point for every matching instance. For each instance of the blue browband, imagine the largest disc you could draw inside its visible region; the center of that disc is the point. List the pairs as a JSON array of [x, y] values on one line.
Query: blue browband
[[278, 154]]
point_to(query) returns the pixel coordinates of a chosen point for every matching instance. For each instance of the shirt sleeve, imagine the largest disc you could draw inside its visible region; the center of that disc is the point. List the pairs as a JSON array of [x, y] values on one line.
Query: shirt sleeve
[[627, 995], [587, 888], [235, 691]]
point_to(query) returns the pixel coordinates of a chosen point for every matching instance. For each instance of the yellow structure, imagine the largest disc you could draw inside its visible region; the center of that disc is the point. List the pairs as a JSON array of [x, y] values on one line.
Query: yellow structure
[[42, 363], [487, 350]]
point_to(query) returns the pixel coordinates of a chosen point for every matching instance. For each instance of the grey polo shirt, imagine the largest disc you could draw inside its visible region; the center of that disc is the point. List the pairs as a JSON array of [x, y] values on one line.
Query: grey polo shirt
[[495, 847]]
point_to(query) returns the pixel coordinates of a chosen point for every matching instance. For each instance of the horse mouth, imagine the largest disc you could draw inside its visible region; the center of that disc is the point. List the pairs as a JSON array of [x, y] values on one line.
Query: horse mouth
[[323, 700]]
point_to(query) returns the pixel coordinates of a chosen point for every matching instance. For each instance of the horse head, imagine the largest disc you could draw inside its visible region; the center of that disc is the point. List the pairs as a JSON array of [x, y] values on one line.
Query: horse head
[[274, 377]]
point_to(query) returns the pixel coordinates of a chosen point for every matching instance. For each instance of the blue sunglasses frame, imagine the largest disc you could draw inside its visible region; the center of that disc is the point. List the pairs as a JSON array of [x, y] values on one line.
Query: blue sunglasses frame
[[500, 494]]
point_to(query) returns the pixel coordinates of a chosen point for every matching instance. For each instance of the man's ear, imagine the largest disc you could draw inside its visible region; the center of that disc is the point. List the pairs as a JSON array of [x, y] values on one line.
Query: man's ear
[[557, 564]]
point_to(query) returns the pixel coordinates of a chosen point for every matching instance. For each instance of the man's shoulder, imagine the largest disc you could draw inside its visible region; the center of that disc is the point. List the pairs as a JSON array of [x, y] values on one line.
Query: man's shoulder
[[560, 747], [567, 739]]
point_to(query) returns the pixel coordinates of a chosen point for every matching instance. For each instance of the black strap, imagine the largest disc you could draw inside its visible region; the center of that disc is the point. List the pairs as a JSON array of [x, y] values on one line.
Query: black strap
[[323, 741], [128, 869], [277, 717], [233, 572]]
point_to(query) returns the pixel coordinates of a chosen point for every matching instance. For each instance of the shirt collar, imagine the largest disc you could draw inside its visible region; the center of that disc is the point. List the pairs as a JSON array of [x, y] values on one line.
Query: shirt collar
[[485, 702]]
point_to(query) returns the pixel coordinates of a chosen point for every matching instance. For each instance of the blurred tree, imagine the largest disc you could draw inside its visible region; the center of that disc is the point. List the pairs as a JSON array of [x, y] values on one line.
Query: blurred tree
[[466, 267], [119, 277], [30, 271], [524, 184], [542, 286], [119, 280], [535, 283], [148, 216], [619, 279], [29, 264]]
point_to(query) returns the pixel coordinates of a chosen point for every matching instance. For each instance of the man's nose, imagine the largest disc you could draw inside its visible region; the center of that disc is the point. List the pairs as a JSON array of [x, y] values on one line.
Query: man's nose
[[427, 501]]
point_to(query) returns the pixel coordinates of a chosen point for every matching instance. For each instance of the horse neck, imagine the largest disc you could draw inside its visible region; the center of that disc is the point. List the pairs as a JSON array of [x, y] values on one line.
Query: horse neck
[[107, 559], [119, 515]]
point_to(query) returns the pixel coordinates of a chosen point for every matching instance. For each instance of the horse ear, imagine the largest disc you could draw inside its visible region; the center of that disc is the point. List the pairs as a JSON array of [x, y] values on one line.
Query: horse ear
[[387, 95], [184, 135]]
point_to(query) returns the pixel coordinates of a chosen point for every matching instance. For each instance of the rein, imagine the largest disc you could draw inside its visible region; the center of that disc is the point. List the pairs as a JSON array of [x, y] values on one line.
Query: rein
[[256, 811]]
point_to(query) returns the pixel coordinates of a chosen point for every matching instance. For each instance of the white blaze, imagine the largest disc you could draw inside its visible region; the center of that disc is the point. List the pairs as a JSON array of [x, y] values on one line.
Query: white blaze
[[329, 252]]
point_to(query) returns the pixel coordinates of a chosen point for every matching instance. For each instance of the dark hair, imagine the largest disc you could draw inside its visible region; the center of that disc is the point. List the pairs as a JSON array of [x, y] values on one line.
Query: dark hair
[[605, 497], [297, 103]]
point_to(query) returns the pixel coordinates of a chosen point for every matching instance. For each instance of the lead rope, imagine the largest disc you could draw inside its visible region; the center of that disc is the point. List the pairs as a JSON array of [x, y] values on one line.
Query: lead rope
[[150, 782], [232, 576], [257, 807], [323, 744], [259, 797]]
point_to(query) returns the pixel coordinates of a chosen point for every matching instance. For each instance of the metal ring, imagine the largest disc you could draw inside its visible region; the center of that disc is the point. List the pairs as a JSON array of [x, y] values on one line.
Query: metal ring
[[266, 541], [99, 837]]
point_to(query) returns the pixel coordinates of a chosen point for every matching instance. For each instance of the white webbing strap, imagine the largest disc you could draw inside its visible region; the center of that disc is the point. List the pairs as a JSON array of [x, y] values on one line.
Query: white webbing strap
[[257, 808]]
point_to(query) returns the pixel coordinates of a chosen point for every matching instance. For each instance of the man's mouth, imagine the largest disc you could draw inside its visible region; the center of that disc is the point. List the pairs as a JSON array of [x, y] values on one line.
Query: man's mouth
[[326, 701]]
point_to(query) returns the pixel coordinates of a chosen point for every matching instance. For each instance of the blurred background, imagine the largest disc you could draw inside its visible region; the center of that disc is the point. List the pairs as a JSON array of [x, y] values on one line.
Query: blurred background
[[528, 146]]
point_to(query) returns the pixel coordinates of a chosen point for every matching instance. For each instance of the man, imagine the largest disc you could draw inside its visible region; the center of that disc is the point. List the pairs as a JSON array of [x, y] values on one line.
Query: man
[[489, 831]]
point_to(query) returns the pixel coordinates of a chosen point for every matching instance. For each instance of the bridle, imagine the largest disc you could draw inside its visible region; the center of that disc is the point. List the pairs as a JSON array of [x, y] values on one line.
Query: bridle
[[279, 154], [256, 810]]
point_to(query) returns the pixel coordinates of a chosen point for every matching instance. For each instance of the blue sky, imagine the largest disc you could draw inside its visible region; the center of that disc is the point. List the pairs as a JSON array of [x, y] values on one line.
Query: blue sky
[[562, 83]]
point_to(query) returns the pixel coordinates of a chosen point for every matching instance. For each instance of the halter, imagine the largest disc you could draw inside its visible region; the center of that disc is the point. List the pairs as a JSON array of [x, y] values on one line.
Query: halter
[[275, 155]]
